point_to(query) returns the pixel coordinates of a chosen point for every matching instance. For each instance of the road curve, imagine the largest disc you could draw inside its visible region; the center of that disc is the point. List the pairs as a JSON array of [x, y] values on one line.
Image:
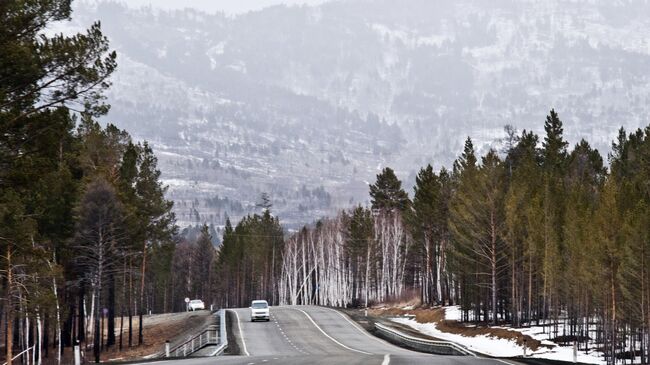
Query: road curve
[[317, 336]]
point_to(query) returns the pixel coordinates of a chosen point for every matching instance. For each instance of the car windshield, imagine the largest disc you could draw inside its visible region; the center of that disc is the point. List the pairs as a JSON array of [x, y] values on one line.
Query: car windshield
[[195, 301], [259, 305]]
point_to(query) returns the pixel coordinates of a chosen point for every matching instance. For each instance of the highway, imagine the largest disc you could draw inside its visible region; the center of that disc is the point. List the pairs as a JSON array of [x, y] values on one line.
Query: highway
[[316, 336]]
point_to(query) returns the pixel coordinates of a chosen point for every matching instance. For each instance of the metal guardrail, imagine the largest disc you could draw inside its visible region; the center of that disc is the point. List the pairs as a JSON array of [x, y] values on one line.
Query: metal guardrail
[[219, 350], [223, 333], [420, 344], [209, 336]]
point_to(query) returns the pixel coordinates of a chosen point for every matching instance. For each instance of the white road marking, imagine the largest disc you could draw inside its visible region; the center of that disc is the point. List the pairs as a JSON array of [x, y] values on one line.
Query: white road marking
[[355, 325], [287, 338], [241, 334], [358, 327], [386, 359], [501, 361], [330, 337]]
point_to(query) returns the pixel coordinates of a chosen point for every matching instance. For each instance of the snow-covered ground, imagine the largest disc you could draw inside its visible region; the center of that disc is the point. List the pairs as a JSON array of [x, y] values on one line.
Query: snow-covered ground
[[500, 347]]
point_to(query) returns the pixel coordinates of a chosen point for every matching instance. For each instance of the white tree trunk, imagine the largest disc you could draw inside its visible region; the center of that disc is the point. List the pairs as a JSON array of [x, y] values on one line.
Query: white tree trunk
[[55, 290], [39, 343], [27, 337], [90, 325]]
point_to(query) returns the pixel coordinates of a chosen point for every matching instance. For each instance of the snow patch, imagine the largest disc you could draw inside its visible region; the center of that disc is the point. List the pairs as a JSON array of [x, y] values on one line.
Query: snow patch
[[410, 38], [162, 52], [238, 66], [500, 347]]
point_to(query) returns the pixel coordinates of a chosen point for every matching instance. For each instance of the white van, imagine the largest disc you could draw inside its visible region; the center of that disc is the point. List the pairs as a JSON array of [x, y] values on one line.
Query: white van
[[260, 310]]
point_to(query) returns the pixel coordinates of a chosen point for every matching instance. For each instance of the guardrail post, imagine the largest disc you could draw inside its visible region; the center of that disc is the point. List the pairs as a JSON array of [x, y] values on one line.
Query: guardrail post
[[167, 348], [77, 353]]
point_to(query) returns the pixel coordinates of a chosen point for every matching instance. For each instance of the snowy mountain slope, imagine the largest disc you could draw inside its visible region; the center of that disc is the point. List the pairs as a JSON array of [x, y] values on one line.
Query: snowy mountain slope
[[308, 103]]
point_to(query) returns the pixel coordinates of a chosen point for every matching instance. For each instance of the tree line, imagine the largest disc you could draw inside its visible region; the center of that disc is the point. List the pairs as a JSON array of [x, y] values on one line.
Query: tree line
[[534, 234]]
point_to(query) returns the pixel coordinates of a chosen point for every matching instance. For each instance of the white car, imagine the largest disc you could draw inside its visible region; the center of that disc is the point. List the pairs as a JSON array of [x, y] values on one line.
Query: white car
[[260, 310], [196, 304]]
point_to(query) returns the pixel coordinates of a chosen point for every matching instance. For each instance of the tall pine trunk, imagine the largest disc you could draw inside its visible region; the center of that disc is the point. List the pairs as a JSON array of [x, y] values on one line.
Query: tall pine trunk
[[10, 312], [144, 271], [494, 267], [110, 340]]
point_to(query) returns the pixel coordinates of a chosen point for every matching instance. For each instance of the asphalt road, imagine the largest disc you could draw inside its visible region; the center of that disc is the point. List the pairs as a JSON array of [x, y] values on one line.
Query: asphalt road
[[317, 336]]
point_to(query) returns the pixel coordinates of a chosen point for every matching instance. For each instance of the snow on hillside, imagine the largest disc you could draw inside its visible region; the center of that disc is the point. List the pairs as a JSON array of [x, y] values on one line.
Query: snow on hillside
[[305, 103], [501, 347]]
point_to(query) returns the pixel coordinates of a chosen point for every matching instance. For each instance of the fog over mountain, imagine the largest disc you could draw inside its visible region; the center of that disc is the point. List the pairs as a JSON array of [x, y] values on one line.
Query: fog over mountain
[[212, 6], [308, 103]]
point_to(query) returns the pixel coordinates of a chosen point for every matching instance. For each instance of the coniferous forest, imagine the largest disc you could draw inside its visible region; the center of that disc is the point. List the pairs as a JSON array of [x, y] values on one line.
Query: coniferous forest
[[540, 232], [85, 228]]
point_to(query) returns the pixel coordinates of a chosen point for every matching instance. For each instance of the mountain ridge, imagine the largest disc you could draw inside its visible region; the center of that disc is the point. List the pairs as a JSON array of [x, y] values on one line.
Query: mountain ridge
[[324, 96]]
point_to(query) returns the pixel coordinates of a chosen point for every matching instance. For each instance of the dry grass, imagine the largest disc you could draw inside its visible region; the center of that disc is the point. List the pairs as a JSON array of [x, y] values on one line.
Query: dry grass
[[437, 315], [157, 329], [410, 298]]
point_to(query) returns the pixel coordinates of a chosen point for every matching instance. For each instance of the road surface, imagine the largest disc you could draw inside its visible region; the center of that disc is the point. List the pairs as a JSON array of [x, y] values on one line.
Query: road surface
[[317, 336]]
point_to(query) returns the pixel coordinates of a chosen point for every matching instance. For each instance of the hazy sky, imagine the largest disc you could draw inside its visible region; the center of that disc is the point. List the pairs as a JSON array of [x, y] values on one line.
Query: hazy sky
[[228, 6]]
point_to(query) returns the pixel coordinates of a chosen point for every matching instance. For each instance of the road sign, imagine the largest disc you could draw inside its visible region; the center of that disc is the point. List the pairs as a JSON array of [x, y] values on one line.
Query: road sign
[[187, 300]]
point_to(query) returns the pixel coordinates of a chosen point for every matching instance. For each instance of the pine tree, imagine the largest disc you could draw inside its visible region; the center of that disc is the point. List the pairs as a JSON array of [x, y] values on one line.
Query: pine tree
[[476, 221], [264, 202], [359, 247], [429, 221], [155, 214], [608, 224], [203, 262], [522, 162], [584, 177], [387, 193], [554, 146], [554, 160], [39, 73], [466, 162]]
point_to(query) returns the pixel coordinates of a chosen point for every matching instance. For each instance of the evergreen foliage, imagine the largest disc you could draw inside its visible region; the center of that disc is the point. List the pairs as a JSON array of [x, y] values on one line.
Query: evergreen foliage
[[387, 193], [79, 203]]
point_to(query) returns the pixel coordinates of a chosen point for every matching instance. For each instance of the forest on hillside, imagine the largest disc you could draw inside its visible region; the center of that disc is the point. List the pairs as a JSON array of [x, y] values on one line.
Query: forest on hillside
[[538, 233]]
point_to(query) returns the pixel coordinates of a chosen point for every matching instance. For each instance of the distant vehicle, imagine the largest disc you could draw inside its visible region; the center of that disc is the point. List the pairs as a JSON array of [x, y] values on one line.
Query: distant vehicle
[[196, 304], [260, 310]]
